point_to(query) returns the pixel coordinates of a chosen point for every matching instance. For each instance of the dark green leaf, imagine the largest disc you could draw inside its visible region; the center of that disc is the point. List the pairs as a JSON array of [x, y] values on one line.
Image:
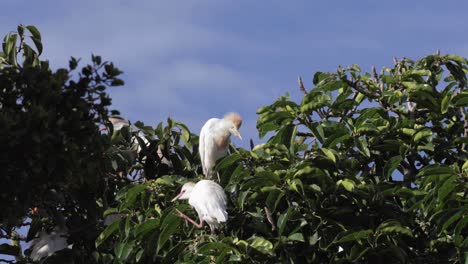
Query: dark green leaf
[[169, 226], [34, 32], [9, 250], [391, 165], [261, 244], [107, 232]]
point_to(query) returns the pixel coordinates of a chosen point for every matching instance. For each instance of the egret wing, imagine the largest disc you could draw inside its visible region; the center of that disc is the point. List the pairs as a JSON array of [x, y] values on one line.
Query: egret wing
[[209, 201], [204, 142]]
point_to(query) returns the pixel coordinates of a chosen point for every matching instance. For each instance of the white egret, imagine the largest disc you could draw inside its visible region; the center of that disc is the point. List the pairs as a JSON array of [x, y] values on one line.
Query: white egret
[[208, 199], [119, 123], [48, 243], [214, 140]]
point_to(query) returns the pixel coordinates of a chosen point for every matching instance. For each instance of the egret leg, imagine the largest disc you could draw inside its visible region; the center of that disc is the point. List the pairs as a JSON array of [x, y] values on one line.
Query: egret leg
[[182, 215]]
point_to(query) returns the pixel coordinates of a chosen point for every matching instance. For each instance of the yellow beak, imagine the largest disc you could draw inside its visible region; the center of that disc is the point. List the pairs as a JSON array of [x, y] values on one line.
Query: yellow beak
[[177, 197], [237, 134]]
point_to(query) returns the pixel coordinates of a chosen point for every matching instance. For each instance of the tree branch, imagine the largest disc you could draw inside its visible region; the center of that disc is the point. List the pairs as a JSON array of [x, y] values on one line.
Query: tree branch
[[357, 86]]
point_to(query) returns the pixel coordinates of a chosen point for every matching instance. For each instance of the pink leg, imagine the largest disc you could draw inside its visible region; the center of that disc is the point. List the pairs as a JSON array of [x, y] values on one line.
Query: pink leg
[[182, 215]]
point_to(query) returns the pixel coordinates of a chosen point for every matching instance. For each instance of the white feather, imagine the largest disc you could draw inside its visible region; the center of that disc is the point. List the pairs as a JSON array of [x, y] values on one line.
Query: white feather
[[47, 244], [209, 200], [213, 130]]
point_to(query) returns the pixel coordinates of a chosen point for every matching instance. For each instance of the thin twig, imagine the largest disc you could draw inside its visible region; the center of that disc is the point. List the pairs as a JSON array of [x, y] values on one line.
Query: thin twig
[[302, 134], [357, 86]]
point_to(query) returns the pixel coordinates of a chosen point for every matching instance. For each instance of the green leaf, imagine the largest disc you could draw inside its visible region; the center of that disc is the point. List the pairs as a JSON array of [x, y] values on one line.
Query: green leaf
[[227, 161], [130, 195], [282, 220], [213, 248], [273, 198], [445, 103], [261, 178], [447, 187], [20, 29], [321, 76], [38, 44], [139, 254], [283, 136], [108, 232], [313, 239], [456, 58], [128, 226], [123, 250], [317, 131], [465, 166], [296, 237], [435, 170], [146, 227], [241, 199], [261, 244], [329, 154], [347, 184], [453, 219], [461, 101], [35, 226], [9, 250], [391, 165], [424, 133], [170, 225], [354, 236], [357, 251], [34, 32], [393, 226], [363, 146]]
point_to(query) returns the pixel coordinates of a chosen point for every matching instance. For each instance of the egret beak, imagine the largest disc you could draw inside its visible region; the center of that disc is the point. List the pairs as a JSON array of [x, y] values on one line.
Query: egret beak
[[177, 197], [237, 134]]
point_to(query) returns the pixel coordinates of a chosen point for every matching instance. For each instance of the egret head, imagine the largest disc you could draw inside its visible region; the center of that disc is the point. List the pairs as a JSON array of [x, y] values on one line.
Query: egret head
[[234, 123], [185, 192], [118, 122]]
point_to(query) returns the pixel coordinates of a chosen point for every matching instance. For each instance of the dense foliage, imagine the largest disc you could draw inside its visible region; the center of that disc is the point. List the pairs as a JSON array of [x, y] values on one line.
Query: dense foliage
[[367, 168], [53, 161]]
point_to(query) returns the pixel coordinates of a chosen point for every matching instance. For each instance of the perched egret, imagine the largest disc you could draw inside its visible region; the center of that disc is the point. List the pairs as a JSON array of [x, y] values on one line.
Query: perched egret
[[214, 140], [119, 123], [208, 199], [48, 243]]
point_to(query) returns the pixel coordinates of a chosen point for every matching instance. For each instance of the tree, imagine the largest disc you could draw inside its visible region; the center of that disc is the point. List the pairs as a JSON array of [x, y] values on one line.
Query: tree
[[54, 162], [368, 167]]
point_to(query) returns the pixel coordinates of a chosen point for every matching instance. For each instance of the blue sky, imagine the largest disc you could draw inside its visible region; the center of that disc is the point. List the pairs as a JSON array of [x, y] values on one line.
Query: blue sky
[[197, 59]]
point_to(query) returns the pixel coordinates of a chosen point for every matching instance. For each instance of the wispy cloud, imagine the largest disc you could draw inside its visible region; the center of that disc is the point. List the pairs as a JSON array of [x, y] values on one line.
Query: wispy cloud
[[197, 59]]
